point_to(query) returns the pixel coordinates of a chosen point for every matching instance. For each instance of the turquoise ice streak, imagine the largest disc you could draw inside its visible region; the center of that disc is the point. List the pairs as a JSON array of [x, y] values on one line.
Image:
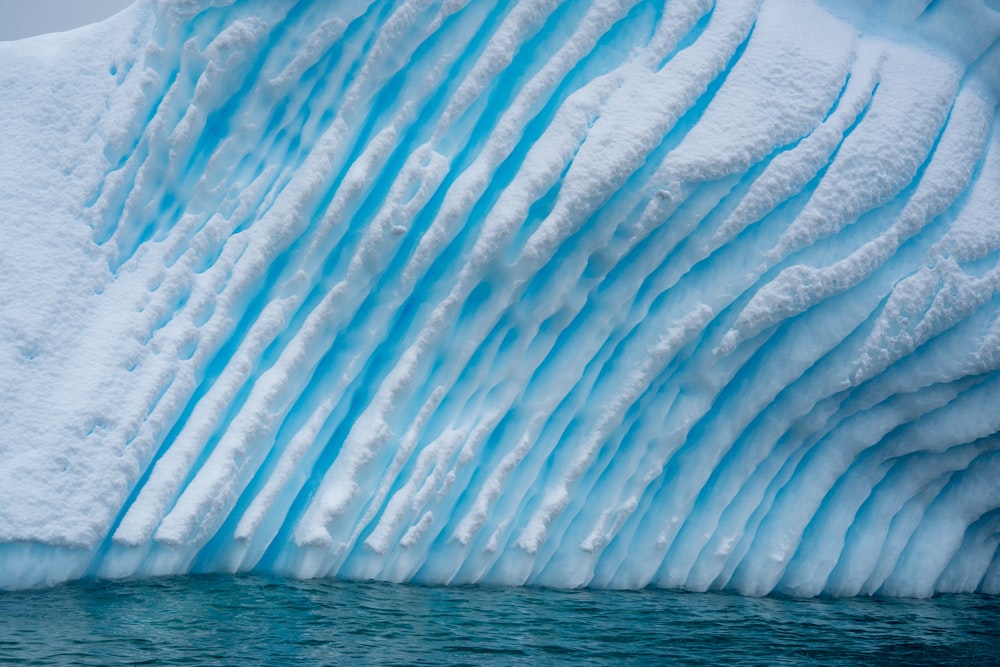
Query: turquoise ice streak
[[250, 620], [691, 294]]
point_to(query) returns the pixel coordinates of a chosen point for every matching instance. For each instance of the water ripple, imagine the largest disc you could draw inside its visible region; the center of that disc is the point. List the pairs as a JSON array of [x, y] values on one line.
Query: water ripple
[[251, 620]]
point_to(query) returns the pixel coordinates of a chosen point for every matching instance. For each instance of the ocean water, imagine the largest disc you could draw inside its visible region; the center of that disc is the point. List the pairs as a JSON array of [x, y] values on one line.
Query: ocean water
[[251, 620]]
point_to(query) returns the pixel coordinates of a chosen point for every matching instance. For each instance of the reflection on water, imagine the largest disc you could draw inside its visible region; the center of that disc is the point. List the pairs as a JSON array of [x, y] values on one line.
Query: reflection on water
[[258, 620]]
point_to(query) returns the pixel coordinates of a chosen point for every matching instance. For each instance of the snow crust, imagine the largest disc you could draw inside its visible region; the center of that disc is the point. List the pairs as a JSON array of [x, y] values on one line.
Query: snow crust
[[607, 293]]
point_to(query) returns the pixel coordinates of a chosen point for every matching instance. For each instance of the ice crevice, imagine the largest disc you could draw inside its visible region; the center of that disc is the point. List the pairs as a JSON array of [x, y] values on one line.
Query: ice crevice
[[694, 294]]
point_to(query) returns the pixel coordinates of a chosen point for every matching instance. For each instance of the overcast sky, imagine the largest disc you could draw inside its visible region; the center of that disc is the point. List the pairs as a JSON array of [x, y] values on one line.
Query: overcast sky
[[24, 18]]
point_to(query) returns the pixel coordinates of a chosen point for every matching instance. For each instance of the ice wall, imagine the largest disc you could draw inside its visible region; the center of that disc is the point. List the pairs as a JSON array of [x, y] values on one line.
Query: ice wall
[[605, 293]]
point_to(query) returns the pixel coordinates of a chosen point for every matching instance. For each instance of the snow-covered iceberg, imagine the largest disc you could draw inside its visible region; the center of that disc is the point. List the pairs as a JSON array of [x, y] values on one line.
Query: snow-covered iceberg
[[605, 293]]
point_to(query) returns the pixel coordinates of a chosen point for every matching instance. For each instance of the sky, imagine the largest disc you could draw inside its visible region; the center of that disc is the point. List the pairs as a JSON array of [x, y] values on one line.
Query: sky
[[24, 18]]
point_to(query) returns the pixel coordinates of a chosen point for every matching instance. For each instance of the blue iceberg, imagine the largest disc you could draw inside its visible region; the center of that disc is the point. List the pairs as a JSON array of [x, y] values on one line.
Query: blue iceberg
[[609, 293]]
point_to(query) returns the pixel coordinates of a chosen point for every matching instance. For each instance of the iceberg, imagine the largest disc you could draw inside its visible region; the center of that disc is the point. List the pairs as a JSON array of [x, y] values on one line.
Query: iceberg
[[608, 293]]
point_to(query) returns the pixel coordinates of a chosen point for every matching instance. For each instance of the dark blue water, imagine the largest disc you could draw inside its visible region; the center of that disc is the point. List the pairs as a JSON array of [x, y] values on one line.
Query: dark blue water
[[250, 620]]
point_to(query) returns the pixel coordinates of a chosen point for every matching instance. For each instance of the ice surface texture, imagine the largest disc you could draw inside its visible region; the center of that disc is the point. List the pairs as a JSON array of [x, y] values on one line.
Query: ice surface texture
[[605, 293]]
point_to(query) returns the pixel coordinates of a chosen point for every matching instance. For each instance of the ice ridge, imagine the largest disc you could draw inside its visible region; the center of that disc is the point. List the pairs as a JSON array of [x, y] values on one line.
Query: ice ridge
[[609, 293]]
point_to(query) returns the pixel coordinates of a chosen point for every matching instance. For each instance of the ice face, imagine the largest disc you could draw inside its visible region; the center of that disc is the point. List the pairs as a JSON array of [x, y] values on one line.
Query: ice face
[[613, 293]]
